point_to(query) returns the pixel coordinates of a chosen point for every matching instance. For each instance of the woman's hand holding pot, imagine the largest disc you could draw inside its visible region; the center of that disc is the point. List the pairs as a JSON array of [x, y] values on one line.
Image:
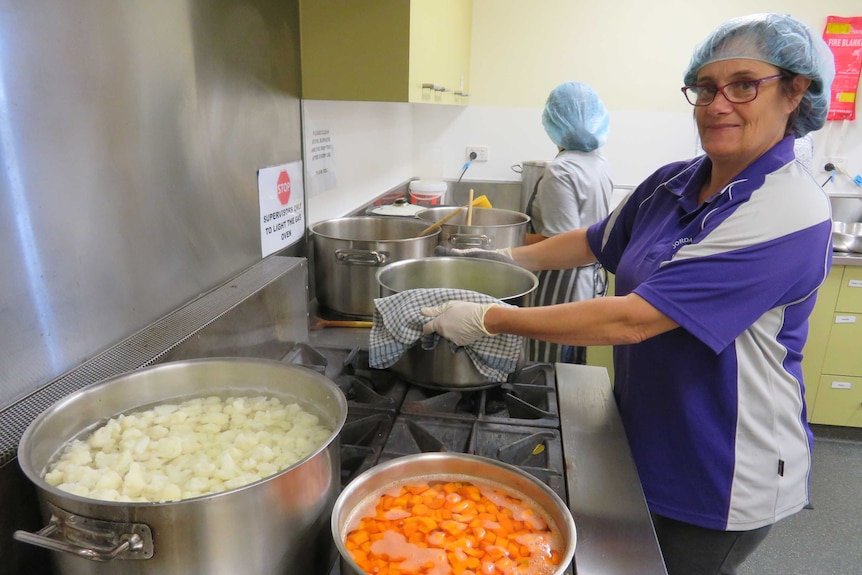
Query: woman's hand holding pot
[[461, 322]]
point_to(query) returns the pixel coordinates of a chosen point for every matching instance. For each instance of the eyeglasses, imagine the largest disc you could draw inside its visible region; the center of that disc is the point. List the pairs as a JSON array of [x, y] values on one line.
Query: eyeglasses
[[738, 92]]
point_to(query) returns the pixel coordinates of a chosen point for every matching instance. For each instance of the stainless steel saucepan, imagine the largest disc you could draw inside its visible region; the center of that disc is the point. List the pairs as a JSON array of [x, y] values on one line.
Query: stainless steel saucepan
[[348, 252], [439, 367], [490, 228]]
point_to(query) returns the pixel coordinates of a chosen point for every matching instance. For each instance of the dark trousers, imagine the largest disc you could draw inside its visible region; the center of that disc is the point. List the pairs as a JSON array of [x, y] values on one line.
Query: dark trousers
[[692, 550]]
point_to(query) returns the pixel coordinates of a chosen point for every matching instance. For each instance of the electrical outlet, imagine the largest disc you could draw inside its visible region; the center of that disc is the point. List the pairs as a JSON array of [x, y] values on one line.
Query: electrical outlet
[[481, 153]]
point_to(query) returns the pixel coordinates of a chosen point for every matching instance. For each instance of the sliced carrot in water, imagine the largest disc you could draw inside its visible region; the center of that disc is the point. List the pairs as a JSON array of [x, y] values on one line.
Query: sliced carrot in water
[[454, 522]]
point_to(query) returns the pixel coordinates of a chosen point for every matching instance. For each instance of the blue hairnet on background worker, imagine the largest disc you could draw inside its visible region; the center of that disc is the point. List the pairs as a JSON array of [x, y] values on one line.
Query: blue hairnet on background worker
[[717, 260], [573, 192], [575, 118]]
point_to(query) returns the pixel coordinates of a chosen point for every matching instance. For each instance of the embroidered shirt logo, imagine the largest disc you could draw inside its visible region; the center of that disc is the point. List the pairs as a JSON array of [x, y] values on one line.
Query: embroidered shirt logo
[[681, 242]]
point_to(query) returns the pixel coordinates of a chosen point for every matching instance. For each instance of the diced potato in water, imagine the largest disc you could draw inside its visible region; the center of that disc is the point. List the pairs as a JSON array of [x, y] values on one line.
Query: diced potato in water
[[189, 449]]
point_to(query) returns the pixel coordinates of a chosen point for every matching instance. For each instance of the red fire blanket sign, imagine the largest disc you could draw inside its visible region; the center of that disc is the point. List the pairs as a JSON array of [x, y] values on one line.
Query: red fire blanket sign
[[844, 38]]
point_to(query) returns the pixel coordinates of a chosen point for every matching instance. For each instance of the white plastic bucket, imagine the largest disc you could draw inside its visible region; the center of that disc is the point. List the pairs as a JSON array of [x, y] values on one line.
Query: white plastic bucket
[[427, 192]]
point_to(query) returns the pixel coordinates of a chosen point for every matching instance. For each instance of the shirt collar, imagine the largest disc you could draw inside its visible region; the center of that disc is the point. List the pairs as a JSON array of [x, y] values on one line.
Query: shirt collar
[[688, 183]]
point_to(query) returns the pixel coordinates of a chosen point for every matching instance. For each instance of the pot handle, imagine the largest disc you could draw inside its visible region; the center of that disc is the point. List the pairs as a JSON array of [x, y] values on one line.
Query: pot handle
[[465, 241], [362, 257], [107, 540]]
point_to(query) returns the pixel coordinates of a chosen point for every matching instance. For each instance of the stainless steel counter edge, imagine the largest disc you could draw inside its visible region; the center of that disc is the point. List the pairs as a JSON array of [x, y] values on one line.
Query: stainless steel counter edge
[[615, 532], [846, 259]]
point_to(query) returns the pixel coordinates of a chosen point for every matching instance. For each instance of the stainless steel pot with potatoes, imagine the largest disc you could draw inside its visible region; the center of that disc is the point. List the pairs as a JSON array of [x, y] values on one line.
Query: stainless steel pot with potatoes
[[275, 525]]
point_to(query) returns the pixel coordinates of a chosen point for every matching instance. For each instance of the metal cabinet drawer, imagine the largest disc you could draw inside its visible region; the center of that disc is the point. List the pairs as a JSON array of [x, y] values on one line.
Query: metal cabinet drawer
[[850, 294], [839, 401]]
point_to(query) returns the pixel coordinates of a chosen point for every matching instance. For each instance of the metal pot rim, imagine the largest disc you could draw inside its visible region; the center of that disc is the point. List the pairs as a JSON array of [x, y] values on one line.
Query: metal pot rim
[[466, 261], [434, 460], [497, 211], [35, 475], [420, 225]]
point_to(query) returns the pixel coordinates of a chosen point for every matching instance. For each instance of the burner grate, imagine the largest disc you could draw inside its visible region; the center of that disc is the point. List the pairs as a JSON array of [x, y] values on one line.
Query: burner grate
[[536, 450], [515, 422], [362, 439], [531, 401]]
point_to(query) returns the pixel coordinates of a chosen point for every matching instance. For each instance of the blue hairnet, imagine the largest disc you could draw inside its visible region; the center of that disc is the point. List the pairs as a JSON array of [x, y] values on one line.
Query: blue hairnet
[[575, 118], [782, 41]]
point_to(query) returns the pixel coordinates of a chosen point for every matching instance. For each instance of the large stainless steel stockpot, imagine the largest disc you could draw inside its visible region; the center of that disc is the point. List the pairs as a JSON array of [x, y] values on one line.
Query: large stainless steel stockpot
[[349, 251], [276, 526], [439, 367], [490, 228], [370, 485]]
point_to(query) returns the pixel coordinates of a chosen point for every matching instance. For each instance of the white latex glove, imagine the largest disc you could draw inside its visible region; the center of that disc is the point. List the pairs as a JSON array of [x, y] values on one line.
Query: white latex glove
[[505, 252], [502, 251], [461, 322]]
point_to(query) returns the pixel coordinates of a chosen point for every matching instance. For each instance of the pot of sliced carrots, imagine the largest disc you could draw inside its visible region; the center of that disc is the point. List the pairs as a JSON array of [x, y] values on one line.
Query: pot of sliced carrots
[[451, 514]]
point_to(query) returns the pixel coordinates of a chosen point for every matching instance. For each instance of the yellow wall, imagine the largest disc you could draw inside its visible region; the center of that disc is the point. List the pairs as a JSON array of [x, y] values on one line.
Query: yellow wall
[[632, 51]]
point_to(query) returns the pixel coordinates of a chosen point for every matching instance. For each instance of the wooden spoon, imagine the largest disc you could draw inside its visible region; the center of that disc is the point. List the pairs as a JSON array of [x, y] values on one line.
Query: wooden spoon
[[439, 223], [481, 202]]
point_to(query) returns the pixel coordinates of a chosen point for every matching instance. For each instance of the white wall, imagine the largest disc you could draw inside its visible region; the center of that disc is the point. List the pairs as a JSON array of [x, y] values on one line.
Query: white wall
[[634, 53], [639, 142], [372, 151]]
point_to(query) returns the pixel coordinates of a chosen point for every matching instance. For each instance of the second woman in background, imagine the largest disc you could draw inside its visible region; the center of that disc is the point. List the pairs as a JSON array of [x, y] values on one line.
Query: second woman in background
[[573, 192]]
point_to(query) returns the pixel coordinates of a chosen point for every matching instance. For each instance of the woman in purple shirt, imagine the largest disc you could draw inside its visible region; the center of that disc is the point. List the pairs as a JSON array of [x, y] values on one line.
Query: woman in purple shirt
[[717, 263]]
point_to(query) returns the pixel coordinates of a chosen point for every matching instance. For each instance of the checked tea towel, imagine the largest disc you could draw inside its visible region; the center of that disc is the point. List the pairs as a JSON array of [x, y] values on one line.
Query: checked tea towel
[[397, 326]]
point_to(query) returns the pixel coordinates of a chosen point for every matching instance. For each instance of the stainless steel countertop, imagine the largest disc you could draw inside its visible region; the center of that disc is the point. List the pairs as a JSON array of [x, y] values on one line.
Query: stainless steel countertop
[[615, 532], [846, 259]]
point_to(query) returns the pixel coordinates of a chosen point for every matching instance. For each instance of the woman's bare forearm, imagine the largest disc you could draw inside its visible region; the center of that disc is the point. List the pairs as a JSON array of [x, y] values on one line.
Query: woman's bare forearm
[[601, 321], [563, 251]]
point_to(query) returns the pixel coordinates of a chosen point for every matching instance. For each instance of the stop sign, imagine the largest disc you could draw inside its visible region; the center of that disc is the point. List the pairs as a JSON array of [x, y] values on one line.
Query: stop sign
[[282, 187]]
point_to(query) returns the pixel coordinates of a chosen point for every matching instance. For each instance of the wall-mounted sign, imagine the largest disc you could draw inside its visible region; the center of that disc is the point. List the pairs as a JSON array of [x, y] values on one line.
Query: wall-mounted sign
[[320, 153], [282, 206], [844, 38]]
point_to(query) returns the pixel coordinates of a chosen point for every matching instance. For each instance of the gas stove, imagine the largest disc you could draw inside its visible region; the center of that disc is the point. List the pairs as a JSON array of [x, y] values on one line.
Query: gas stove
[[516, 422]]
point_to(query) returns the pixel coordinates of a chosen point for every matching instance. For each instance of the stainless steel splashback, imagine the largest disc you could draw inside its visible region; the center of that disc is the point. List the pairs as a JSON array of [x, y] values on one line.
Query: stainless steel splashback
[[262, 312], [130, 136]]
